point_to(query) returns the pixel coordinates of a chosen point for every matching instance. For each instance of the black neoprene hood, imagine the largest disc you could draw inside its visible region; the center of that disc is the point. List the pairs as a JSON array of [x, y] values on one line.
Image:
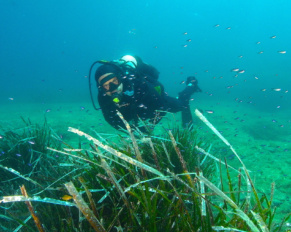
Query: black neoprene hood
[[106, 68]]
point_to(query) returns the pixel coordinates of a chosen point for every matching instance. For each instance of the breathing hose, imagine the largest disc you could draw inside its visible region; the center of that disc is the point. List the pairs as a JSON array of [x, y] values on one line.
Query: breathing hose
[[90, 89]]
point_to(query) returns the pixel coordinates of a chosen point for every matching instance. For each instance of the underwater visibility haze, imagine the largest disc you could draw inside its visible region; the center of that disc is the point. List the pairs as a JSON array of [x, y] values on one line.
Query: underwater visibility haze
[[239, 51]]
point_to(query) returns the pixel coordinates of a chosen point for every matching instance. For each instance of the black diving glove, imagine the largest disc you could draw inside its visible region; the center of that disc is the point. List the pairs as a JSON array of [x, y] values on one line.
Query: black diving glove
[[192, 83], [192, 87]]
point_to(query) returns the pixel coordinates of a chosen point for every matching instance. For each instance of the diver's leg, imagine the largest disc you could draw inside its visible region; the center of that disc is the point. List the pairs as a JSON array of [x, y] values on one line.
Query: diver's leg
[[187, 120], [175, 105]]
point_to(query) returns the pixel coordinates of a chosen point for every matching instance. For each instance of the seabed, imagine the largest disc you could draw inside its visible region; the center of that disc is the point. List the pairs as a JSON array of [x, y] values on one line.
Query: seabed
[[229, 173]]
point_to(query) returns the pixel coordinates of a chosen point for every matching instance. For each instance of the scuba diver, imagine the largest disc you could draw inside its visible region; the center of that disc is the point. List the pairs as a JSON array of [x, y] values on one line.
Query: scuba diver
[[131, 86]]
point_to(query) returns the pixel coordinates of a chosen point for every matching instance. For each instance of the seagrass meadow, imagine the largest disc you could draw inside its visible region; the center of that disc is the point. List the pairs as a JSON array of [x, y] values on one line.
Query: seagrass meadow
[[171, 180], [63, 167]]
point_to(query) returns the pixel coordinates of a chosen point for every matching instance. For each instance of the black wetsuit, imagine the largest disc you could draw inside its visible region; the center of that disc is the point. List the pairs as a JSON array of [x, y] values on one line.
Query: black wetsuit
[[149, 101]]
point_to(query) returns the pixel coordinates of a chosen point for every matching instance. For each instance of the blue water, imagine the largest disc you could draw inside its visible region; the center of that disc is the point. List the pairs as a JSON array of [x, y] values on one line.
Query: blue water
[[47, 47]]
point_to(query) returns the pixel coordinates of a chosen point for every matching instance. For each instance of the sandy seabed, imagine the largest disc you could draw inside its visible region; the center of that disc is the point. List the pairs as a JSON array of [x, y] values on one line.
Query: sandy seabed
[[262, 139]]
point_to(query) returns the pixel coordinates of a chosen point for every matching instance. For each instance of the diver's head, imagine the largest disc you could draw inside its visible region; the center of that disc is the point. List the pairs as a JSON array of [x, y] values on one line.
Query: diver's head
[[110, 84], [108, 78]]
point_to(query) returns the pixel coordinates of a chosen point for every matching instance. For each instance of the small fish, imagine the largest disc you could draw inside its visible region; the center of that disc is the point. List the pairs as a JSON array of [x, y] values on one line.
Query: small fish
[[276, 90], [185, 45], [273, 37], [235, 70], [217, 25], [274, 120], [1, 137], [48, 110], [182, 82], [66, 197], [31, 142], [142, 106], [209, 111], [258, 42], [82, 107], [228, 28], [263, 90], [229, 87], [241, 71], [282, 52], [286, 91], [18, 155], [11, 98], [256, 78], [261, 52], [185, 33], [188, 40], [192, 99], [240, 56]]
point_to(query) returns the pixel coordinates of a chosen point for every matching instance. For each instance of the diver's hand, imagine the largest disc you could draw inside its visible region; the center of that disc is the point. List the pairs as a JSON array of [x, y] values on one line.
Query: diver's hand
[[192, 84]]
